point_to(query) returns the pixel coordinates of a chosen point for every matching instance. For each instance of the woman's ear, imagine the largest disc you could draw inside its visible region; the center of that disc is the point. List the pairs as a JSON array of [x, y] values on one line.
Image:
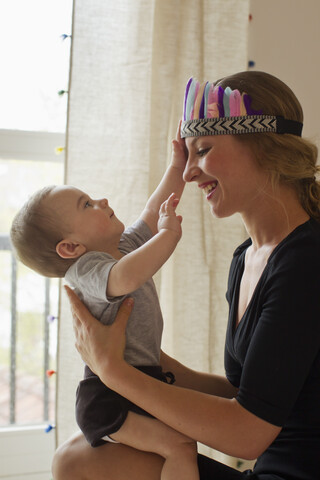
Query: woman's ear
[[69, 249]]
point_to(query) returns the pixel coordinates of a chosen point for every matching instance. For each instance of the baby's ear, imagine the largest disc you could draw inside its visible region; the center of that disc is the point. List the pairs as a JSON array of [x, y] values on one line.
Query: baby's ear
[[69, 249]]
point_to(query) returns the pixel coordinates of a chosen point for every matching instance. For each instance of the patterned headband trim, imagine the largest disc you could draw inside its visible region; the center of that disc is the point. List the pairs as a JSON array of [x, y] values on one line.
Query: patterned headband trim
[[211, 110], [239, 125]]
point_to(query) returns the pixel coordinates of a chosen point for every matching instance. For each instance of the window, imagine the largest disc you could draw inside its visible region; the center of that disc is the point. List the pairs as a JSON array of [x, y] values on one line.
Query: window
[[34, 55], [27, 336]]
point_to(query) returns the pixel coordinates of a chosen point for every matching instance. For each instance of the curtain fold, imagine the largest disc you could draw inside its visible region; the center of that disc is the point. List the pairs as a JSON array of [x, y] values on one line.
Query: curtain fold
[[130, 64]]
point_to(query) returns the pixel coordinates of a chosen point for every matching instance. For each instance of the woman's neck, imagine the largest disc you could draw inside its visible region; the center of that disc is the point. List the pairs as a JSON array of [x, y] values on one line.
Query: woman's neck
[[273, 217]]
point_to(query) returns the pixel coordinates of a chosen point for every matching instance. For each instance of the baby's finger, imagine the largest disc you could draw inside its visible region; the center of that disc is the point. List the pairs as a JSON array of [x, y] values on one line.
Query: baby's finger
[[178, 135], [181, 141], [164, 209], [178, 148], [173, 200]]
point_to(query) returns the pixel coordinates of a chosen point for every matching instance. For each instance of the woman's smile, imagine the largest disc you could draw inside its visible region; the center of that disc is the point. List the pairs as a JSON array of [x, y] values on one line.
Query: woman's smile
[[208, 188]]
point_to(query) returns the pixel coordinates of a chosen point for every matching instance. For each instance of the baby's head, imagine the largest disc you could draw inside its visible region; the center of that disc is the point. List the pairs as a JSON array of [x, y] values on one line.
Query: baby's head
[[58, 224], [36, 230]]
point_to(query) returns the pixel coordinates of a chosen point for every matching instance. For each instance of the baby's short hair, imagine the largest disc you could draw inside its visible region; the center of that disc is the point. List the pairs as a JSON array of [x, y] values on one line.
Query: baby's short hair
[[35, 232]]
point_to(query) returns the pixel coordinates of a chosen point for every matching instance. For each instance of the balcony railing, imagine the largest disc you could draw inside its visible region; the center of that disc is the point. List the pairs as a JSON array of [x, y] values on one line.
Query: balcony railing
[[6, 246]]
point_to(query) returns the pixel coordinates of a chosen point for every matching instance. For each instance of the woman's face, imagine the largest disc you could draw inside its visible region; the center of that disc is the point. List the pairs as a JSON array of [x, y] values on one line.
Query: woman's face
[[227, 173]]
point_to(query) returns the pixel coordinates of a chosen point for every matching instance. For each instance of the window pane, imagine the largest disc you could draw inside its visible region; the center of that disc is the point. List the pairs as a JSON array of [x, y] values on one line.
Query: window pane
[[34, 63], [27, 344], [34, 391]]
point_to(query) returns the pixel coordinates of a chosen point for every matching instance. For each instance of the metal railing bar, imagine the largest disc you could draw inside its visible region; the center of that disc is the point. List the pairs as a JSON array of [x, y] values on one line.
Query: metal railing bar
[[5, 243], [46, 350], [13, 340]]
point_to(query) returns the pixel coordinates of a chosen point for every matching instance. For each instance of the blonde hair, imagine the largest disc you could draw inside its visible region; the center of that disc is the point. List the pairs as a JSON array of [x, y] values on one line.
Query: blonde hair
[[289, 159], [35, 232]]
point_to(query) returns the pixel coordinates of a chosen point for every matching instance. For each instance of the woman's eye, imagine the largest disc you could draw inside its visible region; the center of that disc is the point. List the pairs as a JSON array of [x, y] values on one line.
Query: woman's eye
[[202, 151]]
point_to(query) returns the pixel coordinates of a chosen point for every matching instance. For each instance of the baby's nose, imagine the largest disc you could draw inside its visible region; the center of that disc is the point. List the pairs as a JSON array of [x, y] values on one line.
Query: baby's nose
[[103, 203]]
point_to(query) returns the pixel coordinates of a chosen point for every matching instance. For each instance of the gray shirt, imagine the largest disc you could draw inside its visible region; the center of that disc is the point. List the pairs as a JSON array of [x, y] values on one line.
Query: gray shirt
[[89, 277]]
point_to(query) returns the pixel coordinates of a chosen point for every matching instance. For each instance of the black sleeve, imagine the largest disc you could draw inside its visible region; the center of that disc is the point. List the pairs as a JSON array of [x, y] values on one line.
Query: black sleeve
[[286, 340]]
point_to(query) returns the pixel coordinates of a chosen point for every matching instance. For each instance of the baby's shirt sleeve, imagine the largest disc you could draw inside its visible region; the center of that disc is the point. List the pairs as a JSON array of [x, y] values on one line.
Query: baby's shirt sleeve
[[135, 236], [89, 276]]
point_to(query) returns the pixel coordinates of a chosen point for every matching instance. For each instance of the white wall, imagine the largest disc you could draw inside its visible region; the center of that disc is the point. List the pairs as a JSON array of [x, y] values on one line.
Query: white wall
[[284, 40]]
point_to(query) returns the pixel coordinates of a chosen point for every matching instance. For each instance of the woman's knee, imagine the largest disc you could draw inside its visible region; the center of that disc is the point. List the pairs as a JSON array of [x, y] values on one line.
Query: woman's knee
[[66, 462]]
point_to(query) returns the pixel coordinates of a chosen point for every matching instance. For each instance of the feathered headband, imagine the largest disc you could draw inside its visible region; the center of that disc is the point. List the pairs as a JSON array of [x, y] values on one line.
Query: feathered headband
[[212, 110]]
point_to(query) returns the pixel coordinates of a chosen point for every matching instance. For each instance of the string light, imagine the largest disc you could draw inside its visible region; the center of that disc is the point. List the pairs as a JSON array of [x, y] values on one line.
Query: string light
[[49, 428], [59, 150], [64, 36]]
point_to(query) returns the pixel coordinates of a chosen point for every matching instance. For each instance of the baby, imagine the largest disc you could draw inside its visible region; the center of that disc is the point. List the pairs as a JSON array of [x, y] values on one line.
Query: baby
[[62, 232]]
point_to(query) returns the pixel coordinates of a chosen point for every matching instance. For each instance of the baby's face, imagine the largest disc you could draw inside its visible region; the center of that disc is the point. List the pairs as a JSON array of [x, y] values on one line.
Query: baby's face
[[86, 221]]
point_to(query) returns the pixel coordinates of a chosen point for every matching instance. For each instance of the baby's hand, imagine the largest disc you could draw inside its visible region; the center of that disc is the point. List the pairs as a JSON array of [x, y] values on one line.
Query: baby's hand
[[167, 215], [179, 152]]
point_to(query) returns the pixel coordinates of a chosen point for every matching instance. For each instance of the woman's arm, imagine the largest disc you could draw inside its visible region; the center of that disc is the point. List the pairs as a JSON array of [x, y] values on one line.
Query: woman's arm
[[220, 423], [202, 382]]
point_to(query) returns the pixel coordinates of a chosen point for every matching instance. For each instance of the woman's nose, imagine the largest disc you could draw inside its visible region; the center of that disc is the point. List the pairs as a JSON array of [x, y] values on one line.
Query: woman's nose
[[191, 172]]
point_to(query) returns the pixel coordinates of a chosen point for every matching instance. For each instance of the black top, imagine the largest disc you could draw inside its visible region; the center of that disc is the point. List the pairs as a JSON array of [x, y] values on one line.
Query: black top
[[273, 355]]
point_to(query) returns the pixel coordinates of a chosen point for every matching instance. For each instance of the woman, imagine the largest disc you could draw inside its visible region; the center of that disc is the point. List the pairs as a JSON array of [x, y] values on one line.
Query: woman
[[254, 163]]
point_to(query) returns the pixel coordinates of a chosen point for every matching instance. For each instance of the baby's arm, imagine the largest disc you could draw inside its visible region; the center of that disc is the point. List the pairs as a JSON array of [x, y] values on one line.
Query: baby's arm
[[172, 181], [135, 268]]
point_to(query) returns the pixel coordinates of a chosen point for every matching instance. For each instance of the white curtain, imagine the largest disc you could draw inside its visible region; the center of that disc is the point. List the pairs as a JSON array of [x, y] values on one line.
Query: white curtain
[[130, 62]]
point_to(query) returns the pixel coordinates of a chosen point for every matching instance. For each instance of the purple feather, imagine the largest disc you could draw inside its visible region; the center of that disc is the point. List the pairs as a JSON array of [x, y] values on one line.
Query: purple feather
[[185, 97], [220, 101], [247, 103], [201, 111]]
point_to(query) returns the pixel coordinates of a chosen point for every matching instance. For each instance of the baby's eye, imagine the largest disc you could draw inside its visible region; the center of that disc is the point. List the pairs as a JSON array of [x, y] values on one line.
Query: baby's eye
[[87, 204]]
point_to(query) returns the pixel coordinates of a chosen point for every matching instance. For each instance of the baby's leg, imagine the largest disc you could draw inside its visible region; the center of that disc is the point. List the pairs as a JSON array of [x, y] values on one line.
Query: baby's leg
[[150, 435]]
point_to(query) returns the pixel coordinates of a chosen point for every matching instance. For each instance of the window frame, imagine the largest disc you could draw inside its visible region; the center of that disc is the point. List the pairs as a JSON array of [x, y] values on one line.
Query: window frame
[[21, 445], [27, 145]]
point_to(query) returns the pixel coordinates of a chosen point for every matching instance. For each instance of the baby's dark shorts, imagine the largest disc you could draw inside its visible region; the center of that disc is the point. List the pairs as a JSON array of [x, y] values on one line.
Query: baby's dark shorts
[[100, 411]]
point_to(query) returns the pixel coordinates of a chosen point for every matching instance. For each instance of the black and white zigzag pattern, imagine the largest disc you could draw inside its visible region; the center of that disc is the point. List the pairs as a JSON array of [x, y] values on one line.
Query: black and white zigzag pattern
[[229, 125]]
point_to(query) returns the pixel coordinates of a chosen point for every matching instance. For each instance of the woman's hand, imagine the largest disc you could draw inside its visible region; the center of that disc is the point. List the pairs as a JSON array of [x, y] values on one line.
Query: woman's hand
[[100, 346]]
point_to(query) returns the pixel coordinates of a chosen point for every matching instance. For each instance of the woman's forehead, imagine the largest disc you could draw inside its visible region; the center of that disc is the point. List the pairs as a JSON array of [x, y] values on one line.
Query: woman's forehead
[[193, 142]]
